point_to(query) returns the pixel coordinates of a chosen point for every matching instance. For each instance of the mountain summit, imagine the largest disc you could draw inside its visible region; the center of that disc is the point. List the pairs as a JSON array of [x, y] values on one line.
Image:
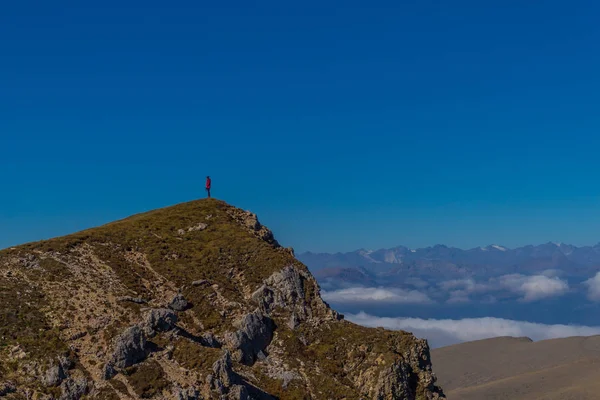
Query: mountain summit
[[194, 301]]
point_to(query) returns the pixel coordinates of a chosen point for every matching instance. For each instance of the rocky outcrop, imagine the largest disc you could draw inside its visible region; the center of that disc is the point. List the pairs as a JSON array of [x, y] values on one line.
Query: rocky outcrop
[[238, 392], [223, 376], [287, 289], [251, 223], [129, 348], [54, 375], [190, 393], [57, 372], [178, 303], [198, 227], [251, 340], [159, 320], [74, 388]]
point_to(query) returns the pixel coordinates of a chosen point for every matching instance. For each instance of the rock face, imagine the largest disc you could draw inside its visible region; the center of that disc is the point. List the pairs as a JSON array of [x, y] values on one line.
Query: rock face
[[129, 349], [251, 340], [163, 306]]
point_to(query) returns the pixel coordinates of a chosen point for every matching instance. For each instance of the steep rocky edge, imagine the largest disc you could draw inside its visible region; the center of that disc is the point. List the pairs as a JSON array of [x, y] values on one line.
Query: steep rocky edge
[[194, 301]]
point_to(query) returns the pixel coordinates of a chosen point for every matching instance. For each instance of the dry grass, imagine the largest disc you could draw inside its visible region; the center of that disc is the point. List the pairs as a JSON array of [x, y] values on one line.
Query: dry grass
[[518, 369]]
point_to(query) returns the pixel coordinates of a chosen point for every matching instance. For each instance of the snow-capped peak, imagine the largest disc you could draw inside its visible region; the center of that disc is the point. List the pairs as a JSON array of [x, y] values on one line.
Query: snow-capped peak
[[495, 246]]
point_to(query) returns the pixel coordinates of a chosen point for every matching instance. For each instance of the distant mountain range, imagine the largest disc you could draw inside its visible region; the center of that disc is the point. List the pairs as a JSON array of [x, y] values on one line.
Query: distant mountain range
[[443, 262]]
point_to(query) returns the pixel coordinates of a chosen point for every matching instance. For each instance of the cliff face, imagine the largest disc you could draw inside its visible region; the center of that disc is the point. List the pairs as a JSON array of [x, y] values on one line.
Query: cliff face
[[195, 301]]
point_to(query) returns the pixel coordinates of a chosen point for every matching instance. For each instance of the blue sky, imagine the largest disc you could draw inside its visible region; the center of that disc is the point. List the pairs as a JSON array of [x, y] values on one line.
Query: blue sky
[[343, 125]]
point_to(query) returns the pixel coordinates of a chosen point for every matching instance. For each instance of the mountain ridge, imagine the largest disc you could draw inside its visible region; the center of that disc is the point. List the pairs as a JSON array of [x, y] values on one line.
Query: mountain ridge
[[447, 261], [192, 301]]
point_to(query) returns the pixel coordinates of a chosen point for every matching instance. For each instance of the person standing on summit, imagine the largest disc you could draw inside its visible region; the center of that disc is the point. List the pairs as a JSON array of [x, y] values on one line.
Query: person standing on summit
[[208, 185]]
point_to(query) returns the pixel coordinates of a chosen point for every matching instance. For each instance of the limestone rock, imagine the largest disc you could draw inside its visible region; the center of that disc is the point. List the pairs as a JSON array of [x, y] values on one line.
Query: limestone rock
[[198, 227], [223, 376], [159, 320], [190, 393], [238, 392], [179, 303], [209, 340], [129, 349], [254, 335], [54, 375], [287, 289], [57, 371], [250, 221], [74, 388]]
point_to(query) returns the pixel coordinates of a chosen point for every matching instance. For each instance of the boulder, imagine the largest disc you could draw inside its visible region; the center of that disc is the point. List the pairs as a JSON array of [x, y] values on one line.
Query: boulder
[[159, 320], [179, 303], [129, 349], [54, 376], [57, 371]]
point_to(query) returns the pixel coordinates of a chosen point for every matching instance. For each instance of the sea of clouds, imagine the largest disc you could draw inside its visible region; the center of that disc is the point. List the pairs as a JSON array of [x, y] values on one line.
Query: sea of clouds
[[527, 290], [444, 332]]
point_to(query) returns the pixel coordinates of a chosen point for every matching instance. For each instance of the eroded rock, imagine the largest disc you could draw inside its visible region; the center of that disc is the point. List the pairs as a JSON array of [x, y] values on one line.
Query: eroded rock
[[238, 392], [129, 349], [250, 222], [159, 320], [223, 376], [178, 303], [254, 335], [190, 393], [57, 372], [74, 388]]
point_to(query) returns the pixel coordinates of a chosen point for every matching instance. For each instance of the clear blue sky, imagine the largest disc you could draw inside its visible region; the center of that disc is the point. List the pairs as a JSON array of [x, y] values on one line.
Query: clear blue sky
[[342, 124]]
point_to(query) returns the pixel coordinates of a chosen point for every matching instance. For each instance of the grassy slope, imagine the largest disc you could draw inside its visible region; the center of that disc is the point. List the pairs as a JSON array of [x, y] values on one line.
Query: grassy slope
[[226, 254], [516, 368]]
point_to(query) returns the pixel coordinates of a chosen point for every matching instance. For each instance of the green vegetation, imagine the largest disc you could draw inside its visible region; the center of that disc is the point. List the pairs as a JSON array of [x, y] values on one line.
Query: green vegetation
[[119, 386], [106, 393], [147, 379], [54, 270], [23, 323], [195, 357]]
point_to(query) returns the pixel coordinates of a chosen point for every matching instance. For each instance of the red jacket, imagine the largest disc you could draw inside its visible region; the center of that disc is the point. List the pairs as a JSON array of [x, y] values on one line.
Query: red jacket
[[208, 183]]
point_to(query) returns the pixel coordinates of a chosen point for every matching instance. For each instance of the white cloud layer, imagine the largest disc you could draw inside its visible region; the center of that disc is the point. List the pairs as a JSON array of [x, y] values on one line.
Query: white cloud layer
[[593, 287], [534, 287], [376, 294], [444, 332], [529, 288]]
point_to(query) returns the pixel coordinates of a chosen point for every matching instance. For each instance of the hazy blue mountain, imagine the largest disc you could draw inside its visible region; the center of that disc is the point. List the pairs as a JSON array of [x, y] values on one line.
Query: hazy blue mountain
[[437, 263]]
